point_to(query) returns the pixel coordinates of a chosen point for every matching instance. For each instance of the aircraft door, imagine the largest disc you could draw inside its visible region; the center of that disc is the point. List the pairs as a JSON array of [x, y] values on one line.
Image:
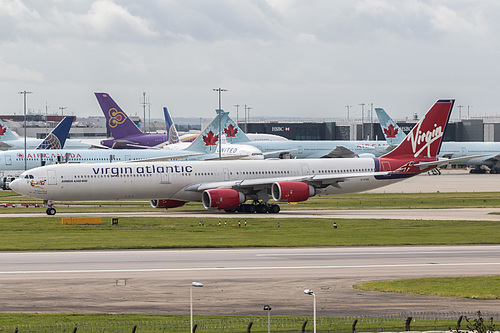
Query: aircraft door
[[305, 170], [300, 150], [226, 173], [51, 177], [8, 160], [127, 158], [165, 178], [386, 166], [464, 151]]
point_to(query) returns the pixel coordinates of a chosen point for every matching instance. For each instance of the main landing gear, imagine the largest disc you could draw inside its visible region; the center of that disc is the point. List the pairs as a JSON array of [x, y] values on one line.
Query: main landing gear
[[50, 207], [260, 208]]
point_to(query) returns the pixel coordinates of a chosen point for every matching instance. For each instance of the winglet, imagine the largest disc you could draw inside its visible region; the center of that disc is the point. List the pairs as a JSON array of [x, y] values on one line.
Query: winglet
[[57, 137]]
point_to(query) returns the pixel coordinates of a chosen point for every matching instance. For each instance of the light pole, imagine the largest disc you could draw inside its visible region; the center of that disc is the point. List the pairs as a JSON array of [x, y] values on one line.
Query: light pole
[[468, 111], [268, 309], [310, 292], [237, 120], [362, 121], [62, 109], [220, 129], [348, 107], [25, 160], [194, 284]]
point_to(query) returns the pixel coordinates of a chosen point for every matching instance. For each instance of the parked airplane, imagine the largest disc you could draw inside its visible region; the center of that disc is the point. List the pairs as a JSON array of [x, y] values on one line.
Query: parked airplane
[[314, 149], [487, 153], [228, 184], [10, 141], [126, 134]]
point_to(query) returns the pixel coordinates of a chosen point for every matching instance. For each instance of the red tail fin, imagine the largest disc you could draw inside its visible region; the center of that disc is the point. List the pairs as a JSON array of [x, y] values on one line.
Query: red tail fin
[[424, 140]]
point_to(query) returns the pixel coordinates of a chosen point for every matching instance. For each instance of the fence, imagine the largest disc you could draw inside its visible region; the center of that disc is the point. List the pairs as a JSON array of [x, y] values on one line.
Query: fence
[[421, 321]]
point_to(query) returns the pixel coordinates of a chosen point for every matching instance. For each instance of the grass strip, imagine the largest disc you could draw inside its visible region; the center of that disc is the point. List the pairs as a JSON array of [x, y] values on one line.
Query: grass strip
[[48, 233], [209, 324], [474, 287]]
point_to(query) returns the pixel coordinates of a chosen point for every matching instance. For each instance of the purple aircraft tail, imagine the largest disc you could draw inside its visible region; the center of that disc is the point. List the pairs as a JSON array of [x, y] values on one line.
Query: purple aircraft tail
[[119, 124]]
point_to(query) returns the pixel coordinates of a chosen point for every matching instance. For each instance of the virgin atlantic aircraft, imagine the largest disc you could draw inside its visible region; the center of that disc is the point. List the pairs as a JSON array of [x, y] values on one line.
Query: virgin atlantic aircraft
[[229, 185]]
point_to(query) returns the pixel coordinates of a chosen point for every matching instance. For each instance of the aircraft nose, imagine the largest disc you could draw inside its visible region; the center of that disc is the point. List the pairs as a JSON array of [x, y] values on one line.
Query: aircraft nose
[[16, 185]]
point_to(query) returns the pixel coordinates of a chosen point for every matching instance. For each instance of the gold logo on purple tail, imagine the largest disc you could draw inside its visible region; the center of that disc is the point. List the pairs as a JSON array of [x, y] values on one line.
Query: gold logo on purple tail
[[116, 118]]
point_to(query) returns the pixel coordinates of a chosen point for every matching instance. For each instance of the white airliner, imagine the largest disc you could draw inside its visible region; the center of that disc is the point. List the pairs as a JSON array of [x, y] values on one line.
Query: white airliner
[[228, 184]]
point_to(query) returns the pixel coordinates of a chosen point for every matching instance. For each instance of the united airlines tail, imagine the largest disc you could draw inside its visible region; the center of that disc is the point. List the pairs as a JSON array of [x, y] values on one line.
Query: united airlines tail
[[119, 124], [173, 136], [394, 135], [57, 137]]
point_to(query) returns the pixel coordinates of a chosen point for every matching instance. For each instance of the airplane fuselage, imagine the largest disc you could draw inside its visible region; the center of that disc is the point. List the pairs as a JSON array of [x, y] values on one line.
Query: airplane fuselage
[[182, 180]]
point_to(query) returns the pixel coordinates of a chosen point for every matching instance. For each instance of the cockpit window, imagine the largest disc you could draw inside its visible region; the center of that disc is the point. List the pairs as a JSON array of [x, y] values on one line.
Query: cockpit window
[[29, 177]]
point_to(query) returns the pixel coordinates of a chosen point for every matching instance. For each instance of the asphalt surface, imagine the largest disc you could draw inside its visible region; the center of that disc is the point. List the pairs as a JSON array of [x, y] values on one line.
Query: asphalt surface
[[238, 281]]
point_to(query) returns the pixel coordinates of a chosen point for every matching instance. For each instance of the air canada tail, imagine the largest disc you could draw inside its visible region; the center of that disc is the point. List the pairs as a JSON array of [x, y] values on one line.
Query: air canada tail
[[173, 136], [393, 134], [119, 124], [57, 137], [418, 152], [5, 133], [208, 140]]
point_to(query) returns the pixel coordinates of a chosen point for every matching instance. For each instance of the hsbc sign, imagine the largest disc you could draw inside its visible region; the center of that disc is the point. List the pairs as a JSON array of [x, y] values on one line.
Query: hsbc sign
[[280, 129]]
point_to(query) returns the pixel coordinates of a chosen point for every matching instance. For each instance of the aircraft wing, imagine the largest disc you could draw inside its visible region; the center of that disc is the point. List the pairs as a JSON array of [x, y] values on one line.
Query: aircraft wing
[[248, 186], [444, 161], [340, 152], [5, 145], [167, 158]]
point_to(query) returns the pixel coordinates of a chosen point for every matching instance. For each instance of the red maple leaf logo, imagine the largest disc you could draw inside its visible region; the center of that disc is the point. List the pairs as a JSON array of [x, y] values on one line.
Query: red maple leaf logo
[[231, 131], [390, 131], [210, 139], [2, 130]]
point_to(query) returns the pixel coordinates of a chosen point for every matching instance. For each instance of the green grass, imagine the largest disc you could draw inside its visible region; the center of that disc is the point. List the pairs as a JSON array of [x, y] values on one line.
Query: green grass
[[47, 233], [474, 287], [209, 324]]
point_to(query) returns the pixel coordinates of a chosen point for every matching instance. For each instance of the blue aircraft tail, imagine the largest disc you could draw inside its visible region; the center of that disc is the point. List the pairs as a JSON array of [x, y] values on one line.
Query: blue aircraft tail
[[394, 135], [208, 140], [119, 124], [173, 136], [57, 137]]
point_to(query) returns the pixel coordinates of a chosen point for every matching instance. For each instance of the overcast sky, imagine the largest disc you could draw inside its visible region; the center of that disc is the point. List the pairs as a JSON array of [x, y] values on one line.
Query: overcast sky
[[281, 57]]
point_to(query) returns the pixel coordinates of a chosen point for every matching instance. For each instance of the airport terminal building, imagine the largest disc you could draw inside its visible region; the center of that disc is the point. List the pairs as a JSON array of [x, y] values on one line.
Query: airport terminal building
[[477, 130]]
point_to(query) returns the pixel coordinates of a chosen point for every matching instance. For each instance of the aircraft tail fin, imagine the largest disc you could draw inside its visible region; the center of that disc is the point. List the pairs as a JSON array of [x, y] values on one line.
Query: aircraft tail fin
[[208, 140], [119, 124], [424, 140], [57, 137], [393, 134], [5, 133], [173, 136]]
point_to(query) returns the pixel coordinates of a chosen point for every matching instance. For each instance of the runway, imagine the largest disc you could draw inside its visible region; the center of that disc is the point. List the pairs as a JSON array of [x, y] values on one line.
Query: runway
[[237, 281]]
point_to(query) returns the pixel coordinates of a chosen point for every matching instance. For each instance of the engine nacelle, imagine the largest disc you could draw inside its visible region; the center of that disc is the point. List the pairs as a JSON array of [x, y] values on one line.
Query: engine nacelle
[[166, 203], [291, 191], [222, 198]]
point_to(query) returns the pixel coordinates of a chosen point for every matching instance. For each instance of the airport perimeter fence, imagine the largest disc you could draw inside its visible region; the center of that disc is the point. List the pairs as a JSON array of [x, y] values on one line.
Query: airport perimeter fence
[[414, 322]]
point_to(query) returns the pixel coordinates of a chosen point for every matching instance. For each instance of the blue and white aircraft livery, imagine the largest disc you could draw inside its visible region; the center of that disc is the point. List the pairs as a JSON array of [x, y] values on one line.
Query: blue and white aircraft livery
[[229, 184], [483, 154]]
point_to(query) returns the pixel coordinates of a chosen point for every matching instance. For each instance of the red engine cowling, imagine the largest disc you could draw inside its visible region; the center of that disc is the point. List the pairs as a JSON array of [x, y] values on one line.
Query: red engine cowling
[[166, 203], [222, 198], [290, 191]]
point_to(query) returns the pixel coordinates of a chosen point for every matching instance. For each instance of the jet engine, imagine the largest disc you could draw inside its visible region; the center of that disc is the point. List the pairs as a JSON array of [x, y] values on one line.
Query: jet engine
[[166, 203], [291, 191], [222, 198]]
